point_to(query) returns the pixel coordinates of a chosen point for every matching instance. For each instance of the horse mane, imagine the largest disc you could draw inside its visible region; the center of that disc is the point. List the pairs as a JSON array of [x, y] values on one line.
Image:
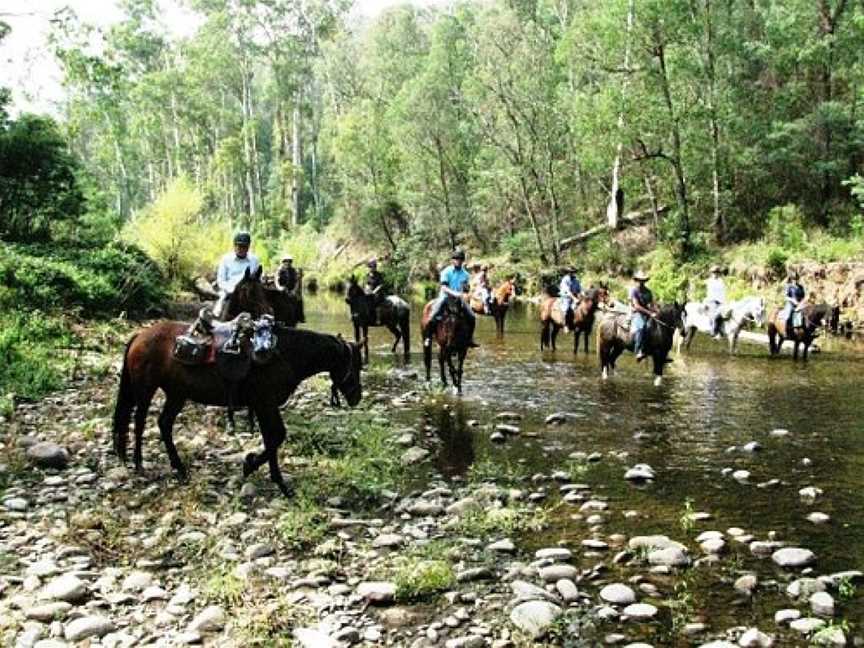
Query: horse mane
[[669, 313]]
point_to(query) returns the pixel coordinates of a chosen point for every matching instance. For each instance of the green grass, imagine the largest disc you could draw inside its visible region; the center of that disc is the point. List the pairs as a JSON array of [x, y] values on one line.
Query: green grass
[[502, 521], [34, 355], [303, 525], [417, 579], [223, 587]]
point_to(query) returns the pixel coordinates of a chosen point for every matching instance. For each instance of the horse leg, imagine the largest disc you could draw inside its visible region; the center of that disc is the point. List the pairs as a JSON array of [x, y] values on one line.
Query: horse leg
[[173, 405], [689, 335], [405, 328], [795, 351], [587, 334], [273, 434], [462, 353], [395, 331], [366, 344], [427, 359], [443, 355], [553, 336], [544, 334], [142, 408], [659, 361], [576, 333]]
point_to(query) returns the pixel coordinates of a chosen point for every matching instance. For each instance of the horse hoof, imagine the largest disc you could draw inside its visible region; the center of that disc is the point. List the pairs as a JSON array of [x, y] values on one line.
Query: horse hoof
[[287, 489], [182, 474], [658, 381]]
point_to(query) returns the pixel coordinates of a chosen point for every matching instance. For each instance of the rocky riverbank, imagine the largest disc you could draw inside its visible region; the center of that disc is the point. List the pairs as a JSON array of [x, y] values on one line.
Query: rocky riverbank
[[378, 548]]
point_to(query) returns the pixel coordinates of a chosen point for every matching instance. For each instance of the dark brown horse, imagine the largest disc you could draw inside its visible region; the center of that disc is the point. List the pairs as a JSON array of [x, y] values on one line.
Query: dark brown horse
[[812, 317], [254, 297], [149, 365], [393, 312], [452, 333], [614, 336], [581, 320], [501, 298]]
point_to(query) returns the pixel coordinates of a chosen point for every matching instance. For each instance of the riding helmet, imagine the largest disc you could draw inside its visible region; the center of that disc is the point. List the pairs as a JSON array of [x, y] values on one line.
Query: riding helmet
[[458, 254], [242, 238], [372, 263]]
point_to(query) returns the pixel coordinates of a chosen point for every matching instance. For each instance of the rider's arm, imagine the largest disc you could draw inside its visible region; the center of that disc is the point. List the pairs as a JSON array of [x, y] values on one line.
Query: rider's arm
[[222, 276]]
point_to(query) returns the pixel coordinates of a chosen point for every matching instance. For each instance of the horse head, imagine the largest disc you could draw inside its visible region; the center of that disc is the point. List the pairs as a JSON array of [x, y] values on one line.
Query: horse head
[[345, 374], [249, 296], [759, 311], [356, 299]]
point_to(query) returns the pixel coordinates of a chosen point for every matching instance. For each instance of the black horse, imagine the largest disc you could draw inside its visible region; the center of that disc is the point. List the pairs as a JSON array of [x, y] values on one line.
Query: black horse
[[812, 317], [393, 312], [613, 336]]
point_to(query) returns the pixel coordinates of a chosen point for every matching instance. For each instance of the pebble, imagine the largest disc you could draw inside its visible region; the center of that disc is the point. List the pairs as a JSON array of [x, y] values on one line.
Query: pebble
[[312, 638], [568, 590], [534, 617], [640, 472], [793, 557], [554, 553], [806, 625], [746, 584], [378, 592], [67, 588], [822, 604], [210, 619], [755, 638], [554, 573], [503, 546], [810, 493], [48, 455], [818, 518], [88, 626], [785, 616], [414, 455], [670, 557], [640, 611], [388, 540], [48, 612], [618, 594]]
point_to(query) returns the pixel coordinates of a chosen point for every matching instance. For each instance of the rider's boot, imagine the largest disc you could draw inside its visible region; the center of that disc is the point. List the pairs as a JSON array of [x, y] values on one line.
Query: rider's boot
[[471, 343]]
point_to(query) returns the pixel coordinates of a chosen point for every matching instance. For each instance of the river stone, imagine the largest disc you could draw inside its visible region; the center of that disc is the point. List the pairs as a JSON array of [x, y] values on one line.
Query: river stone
[[504, 428], [137, 581], [469, 641], [793, 557], [718, 644], [741, 475], [560, 417], [50, 643], [822, 604], [752, 446], [785, 616], [88, 626], [422, 507], [48, 455], [805, 587], [473, 574], [379, 592], [762, 548], [388, 540], [640, 611], [618, 594], [755, 638], [311, 638], [709, 535], [553, 553], [153, 593], [818, 518], [830, 637], [567, 589], [653, 542], [713, 545], [746, 584], [48, 611], [414, 455], [504, 546], [810, 493], [210, 619], [670, 557], [640, 472], [259, 550], [67, 588], [526, 591], [463, 506], [779, 432], [554, 573], [806, 625], [16, 504], [534, 617]]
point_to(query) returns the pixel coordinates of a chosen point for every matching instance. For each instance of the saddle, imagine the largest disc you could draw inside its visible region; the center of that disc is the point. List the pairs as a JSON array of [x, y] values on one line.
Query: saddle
[[230, 345]]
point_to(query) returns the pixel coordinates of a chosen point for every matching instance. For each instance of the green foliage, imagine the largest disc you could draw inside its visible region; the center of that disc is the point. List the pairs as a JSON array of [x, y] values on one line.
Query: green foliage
[[504, 521], [33, 360], [172, 232], [102, 280], [38, 183], [418, 579], [786, 228], [303, 525], [846, 589], [687, 519]]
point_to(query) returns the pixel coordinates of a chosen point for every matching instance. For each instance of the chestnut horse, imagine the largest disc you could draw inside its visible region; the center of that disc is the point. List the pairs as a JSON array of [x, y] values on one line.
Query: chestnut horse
[[251, 296], [552, 319], [812, 317], [501, 297], [452, 335], [613, 336], [394, 313], [149, 365]]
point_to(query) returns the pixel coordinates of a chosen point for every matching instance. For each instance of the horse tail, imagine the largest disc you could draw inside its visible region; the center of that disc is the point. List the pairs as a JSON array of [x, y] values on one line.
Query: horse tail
[[124, 407]]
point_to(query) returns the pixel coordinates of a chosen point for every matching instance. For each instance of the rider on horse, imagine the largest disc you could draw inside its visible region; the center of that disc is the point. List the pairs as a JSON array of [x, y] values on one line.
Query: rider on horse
[[714, 300], [286, 278], [454, 280], [231, 269], [481, 288], [643, 309], [794, 295], [569, 292], [376, 288]]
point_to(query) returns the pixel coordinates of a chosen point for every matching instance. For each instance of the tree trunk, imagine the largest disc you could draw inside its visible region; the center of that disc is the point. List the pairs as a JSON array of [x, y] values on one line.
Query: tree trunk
[[296, 161], [615, 205], [719, 221]]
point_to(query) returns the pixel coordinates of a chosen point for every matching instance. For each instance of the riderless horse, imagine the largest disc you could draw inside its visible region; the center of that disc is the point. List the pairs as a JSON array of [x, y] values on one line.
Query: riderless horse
[[614, 336], [697, 317], [552, 318], [149, 365], [453, 337], [812, 317], [394, 313], [501, 298]]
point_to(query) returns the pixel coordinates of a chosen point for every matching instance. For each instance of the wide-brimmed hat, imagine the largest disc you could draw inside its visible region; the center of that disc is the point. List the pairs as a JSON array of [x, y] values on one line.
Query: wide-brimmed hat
[[715, 268], [484, 266], [458, 254], [641, 275], [287, 258]]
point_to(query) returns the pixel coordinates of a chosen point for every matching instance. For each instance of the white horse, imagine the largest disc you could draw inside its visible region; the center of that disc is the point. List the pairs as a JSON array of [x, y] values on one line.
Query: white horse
[[697, 316]]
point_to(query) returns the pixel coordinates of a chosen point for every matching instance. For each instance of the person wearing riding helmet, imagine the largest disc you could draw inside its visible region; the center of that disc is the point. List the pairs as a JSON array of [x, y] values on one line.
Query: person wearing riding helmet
[[643, 309], [714, 299], [794, 295], [454, 281], [232, 267]]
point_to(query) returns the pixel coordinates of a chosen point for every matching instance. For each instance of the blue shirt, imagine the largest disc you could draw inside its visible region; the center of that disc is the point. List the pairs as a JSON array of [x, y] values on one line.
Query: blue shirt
[[570, 283], [455, 278], [794, 293]]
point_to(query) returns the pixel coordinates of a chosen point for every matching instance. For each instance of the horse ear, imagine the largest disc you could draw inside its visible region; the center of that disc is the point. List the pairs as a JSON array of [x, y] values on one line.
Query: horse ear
[[246, 275]]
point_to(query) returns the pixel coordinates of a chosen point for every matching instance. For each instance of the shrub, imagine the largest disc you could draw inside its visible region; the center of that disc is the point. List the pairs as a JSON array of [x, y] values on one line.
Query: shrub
[[786, 227], [30, 362]]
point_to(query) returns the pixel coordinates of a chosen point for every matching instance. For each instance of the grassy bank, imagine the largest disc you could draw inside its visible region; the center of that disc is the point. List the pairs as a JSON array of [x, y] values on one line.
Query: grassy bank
[[45, 291]]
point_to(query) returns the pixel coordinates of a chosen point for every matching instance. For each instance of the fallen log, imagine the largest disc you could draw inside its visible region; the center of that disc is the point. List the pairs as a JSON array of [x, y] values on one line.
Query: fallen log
[[630, 218]]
